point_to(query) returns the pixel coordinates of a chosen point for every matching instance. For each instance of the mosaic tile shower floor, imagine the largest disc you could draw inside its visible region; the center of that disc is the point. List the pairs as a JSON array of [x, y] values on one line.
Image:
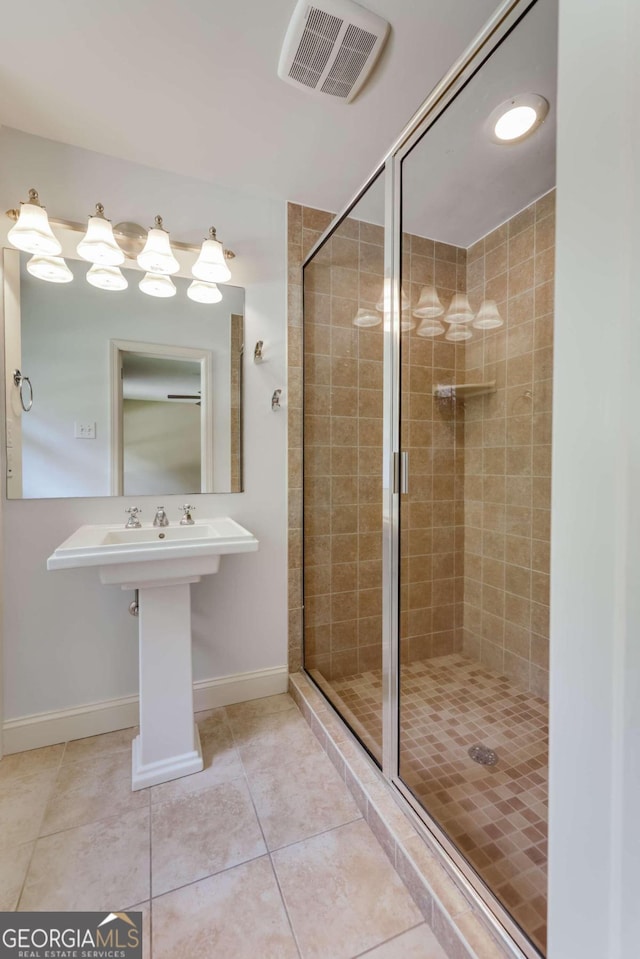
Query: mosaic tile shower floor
[[496, 815]]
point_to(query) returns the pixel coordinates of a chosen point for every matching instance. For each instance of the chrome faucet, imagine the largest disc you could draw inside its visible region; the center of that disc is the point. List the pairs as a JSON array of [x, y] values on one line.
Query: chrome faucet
[[161, 518], [187, 519], [133, 522]]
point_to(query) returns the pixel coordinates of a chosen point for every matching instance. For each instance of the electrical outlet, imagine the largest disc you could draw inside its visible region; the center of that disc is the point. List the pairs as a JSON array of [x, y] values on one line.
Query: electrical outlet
[[84, 430]]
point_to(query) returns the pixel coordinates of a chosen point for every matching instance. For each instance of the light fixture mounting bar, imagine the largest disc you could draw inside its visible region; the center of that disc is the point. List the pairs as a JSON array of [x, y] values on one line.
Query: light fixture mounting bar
[[81, 228]]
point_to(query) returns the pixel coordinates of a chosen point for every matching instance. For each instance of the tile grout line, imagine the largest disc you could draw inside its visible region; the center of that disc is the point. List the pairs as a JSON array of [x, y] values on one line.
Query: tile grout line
[[367, 952], [271, 863], [38, 837]]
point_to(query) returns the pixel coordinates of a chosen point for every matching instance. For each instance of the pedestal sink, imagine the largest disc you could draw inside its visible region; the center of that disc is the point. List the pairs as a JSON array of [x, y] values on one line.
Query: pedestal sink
[[161, 563]]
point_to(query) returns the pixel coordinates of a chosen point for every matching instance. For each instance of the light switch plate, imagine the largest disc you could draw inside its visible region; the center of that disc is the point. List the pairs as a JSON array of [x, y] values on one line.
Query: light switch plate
[[84, 430]]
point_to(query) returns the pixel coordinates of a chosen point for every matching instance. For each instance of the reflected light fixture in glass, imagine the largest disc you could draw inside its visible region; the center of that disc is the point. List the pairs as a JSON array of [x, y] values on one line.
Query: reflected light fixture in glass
[[157, 284], [157, 256], [32, 231], [488, 316], [429, 304], [53, 269], [365, 318], [407, 323], [107, 277], [384, 303], [457, 333], [98, 244], [430, 327], [201, 292], [459, 309], [211, 265]]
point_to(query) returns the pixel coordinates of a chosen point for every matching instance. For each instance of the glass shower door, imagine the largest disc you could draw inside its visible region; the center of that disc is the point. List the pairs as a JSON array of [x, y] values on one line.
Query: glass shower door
[[476, 338], [343, 406]]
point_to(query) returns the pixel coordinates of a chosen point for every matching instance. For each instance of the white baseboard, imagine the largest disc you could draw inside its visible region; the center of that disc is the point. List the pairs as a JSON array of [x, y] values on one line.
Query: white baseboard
[[46, 729]]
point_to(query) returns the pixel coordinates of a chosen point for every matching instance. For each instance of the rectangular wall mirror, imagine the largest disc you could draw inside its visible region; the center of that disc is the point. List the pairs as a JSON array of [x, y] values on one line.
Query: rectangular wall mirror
[[132, 394]]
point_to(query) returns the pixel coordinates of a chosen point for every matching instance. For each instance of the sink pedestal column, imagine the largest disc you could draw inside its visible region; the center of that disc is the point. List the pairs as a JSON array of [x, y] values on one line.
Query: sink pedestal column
[[168, 745]]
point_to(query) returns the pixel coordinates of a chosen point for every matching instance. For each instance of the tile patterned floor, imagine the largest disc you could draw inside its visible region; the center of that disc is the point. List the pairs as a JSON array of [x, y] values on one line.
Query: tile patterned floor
[[263, 853], [496, 815]]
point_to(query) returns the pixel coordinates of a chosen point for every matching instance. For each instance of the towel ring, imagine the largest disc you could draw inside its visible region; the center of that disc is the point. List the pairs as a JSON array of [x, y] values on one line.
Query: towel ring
[[19, 380]]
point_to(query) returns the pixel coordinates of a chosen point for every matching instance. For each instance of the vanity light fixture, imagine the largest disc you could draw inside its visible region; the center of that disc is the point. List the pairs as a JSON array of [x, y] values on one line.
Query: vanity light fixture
[[202, 292], [32, 232], [107, 277], [488, 316], [459, 310], [429, 304], [210, 265], [98, 244], [157, 256], [53, 269], [518, 117], [157, 284]]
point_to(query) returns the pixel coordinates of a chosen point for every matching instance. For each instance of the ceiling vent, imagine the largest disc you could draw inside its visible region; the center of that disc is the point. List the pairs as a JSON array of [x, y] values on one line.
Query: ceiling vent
[[331, 48]]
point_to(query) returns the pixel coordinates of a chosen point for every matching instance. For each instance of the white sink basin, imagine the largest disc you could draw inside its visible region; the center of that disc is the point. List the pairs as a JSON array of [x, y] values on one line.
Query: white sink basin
[[153, 553]]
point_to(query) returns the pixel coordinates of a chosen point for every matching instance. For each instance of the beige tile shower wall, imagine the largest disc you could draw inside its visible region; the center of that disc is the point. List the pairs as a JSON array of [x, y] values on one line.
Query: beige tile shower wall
[[343, 382], [304, 227], [343, 400], [432, 514], [508, 451]]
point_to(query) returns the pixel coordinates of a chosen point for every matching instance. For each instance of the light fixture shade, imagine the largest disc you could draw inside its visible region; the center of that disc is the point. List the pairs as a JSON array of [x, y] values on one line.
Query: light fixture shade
[[211, 265], [32, 232], [366, 318], [457, 333], [384, 303], [430, 327], [98, 244], [202, 292], [488, 316], [157, 256], [429, 304], [157, 284], [517, 118], [53, 269], [107, 277], [459, 309], [406, 322]]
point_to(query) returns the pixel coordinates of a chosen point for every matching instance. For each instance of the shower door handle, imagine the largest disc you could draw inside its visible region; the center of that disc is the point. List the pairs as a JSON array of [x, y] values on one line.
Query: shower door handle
[[401, 472], [404, 472]]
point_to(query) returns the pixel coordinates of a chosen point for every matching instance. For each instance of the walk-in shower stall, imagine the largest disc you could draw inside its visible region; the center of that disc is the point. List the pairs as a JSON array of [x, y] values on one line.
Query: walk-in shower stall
[[428, 343]]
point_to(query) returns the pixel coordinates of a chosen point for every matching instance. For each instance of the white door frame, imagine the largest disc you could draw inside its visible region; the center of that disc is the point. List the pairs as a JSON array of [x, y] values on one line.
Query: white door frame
[[158, 351]]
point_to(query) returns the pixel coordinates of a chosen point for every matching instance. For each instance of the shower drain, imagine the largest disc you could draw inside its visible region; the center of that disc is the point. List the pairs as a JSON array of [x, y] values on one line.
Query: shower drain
[[483, 755]]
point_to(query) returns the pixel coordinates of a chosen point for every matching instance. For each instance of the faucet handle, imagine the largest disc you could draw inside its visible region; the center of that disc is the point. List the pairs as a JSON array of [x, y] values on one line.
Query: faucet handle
[[133, 522], [187, 519]]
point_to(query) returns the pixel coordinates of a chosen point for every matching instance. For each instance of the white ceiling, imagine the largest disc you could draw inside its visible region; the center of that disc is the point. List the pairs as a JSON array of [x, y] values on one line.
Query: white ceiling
[[458, 183], [191, 87]]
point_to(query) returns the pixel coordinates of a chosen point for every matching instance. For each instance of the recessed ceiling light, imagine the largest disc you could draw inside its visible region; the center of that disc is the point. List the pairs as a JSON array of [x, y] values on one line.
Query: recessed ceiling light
[[517, 117]]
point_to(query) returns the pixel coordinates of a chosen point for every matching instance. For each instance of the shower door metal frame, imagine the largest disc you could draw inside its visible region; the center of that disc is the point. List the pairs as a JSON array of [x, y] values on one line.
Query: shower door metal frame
[[502, 22]]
